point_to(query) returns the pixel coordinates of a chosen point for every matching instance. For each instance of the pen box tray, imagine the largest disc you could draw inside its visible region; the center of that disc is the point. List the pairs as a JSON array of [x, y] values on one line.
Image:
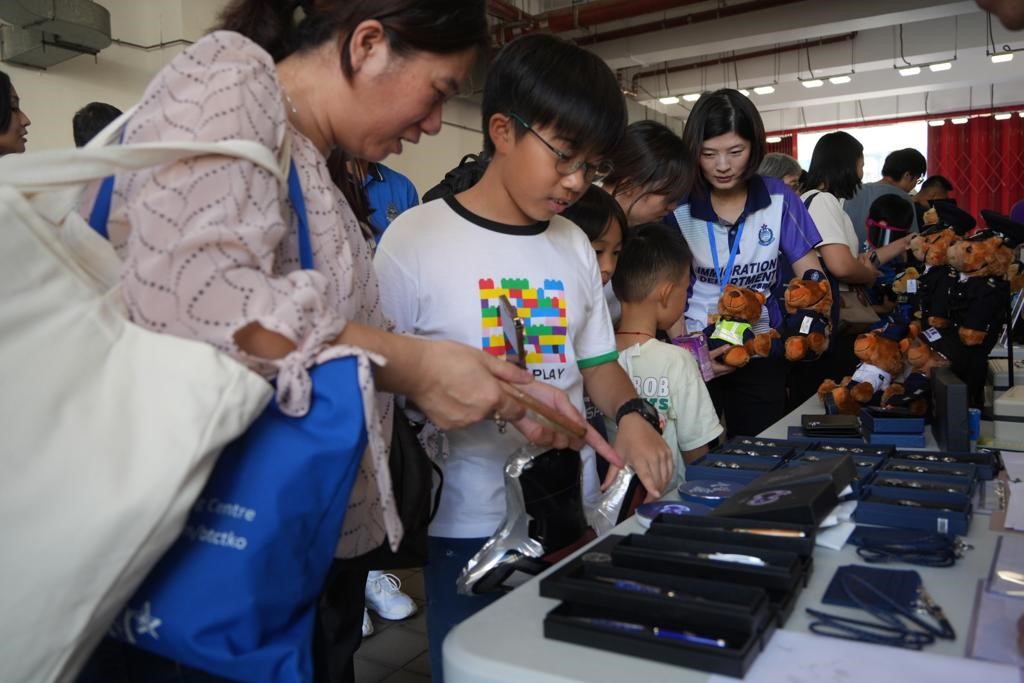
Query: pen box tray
[[564, 623], [603, 584], [781, 573], [740, 468], [717, 530]]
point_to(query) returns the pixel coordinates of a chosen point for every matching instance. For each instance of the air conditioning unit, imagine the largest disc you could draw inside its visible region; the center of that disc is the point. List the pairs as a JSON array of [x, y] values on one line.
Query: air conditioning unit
[[41, 33]]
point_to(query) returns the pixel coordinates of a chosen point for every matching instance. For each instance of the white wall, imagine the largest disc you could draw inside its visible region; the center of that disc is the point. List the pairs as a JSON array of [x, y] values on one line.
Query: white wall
[[117, 75], [426, 162]]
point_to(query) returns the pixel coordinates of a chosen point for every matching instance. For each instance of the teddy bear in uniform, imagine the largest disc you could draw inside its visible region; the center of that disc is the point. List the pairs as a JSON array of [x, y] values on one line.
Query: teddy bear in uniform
[[808, 322], [927, 350], [738, 309], [934, 284], [881, 354]]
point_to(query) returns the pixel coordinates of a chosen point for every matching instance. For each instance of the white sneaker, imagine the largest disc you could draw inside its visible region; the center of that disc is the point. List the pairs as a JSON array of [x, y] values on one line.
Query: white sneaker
[[367, 624], [384, 598]]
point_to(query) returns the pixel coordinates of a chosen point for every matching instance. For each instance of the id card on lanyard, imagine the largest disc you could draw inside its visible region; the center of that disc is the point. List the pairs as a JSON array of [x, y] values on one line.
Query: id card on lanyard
[[723, 275]]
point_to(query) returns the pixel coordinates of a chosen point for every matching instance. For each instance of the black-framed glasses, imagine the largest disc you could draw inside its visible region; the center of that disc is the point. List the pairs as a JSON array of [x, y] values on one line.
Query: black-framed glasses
[[566, 165]]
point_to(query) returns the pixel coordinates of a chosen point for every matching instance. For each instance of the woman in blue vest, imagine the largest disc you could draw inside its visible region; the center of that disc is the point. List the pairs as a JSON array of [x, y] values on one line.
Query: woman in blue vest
[[745, 230]]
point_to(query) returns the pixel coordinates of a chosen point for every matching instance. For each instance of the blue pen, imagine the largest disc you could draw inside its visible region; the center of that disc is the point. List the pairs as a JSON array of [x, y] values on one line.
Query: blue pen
[[656, 631]]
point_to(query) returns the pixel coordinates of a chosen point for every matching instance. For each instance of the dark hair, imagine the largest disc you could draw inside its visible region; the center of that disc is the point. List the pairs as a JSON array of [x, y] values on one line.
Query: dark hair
[[834, 164], [436, 26], [5, 102], [464, 176], [593, 211], [902, 161], [653, 159], [91, 119], [895, 210], [717, 113], [548, 81], [779, 165], [653, 253], [934, 181]]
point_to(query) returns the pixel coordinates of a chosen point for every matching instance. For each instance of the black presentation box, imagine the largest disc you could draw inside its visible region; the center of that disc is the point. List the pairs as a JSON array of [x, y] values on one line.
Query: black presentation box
[[752, 532], [800, 495], [603, 584], [595, 627], [988, 461], [737, 468], [764, 442], [944, 513], [781, 572]]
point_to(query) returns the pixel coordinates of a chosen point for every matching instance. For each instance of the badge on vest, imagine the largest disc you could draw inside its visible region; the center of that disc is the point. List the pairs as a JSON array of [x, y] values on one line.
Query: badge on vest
[[392, 212], [730, 331], [765, 235]]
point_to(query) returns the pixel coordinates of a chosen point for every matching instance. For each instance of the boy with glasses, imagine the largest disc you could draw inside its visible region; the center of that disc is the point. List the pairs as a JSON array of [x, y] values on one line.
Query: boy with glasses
[[552, 112]]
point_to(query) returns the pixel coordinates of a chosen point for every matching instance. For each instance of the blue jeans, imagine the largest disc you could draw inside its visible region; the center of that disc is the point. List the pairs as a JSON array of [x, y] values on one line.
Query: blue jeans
[[445, 607]]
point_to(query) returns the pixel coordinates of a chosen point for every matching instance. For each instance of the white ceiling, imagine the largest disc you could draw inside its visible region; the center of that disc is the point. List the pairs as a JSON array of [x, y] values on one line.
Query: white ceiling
[[862, 39]]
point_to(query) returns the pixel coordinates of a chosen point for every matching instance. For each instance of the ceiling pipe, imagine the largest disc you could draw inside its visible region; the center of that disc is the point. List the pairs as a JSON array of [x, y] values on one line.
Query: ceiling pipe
[[605, 11], [684, 20], [515, 22], [740, 57]]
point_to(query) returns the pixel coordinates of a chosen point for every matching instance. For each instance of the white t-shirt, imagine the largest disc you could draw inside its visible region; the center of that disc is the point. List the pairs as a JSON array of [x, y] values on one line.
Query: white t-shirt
[[668, 378], [834, 224], [441, 270]]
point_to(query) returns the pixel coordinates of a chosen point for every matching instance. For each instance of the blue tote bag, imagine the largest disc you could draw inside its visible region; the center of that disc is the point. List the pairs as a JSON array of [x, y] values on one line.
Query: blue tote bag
[[236, 594]]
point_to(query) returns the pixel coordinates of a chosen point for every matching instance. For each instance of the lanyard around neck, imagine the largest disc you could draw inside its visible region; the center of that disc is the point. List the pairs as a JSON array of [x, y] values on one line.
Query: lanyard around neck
[[723, 275]]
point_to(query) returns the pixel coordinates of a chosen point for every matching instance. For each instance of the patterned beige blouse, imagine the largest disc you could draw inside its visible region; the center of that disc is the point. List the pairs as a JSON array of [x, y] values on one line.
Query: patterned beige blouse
[[209, 246]]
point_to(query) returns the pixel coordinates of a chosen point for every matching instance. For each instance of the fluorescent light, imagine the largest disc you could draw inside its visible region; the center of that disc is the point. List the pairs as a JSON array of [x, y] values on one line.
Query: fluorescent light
[[744, 92], [959, 120], [773, 139], [838, 80], [1003, 116], [941, 66], [813, 83], [999, 59], [937, 122], [764, 89], [671, 99], [910, 71], [692, 97]]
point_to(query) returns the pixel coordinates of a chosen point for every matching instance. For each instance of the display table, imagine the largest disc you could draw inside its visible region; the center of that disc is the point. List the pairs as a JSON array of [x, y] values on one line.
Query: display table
[[505, 642]]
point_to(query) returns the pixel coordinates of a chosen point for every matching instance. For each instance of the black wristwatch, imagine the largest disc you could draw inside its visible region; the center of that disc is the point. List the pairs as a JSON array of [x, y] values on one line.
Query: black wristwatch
[[643, 408]]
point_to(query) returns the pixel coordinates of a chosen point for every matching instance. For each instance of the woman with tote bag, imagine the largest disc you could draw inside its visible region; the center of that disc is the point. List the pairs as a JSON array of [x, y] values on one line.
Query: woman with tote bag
[[214, 249]]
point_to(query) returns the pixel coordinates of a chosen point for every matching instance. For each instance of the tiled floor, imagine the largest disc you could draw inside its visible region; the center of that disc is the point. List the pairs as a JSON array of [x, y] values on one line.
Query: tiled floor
[[397, 650]]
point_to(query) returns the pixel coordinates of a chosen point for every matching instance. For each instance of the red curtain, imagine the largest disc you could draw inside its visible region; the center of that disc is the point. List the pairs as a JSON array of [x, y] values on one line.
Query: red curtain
[[787, 146], [983, 158]]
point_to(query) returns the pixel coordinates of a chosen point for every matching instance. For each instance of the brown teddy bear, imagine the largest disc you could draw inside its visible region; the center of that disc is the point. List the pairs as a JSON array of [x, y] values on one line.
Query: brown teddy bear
[[979, 299], [881, 355], [808, 323], [934, 283], [738, 309], [904, 291], [938, 277], [926, 351]]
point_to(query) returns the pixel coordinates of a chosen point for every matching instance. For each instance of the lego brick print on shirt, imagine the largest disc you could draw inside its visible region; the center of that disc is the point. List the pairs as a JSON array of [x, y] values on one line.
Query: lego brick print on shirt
[[542, 310]]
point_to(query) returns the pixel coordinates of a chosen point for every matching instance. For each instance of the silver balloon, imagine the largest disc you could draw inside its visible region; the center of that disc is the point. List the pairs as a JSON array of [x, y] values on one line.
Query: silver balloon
[[512, 539], [605, 514]]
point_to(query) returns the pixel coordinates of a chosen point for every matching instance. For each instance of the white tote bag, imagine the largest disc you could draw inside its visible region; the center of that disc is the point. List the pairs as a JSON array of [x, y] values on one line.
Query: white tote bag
[[109, 431]]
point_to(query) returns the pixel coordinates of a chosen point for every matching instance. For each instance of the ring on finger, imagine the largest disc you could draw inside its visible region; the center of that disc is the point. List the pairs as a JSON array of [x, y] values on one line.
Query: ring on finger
[[502, 425]]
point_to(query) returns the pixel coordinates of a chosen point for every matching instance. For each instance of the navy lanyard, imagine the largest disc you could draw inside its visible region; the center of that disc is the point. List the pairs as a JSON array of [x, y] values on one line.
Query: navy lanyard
[[723, 275]]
